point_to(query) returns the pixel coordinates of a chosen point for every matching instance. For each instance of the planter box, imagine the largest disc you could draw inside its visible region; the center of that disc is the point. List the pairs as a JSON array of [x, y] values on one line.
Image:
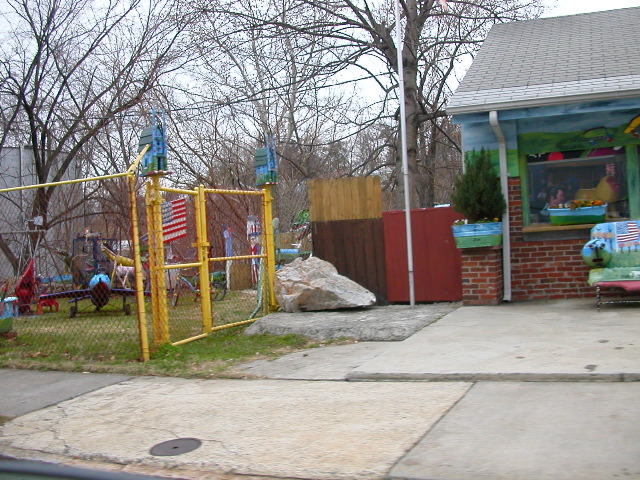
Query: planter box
[[478, 241], [566, 216], [475, 235]]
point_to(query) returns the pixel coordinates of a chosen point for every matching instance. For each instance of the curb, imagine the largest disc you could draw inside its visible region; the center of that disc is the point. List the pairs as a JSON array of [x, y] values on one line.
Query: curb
[[493, 377]]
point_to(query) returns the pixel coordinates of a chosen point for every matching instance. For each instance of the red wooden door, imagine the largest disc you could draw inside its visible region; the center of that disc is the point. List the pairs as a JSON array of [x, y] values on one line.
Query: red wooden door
[[436, 260]]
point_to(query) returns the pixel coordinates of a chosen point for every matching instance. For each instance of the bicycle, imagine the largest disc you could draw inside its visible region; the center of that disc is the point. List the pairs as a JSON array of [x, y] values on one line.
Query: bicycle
[[218, 286], [181, 286], [185, 288]]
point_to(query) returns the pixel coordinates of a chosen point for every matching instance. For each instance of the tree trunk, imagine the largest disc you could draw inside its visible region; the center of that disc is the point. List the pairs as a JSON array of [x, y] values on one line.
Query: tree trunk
[[409, 75]]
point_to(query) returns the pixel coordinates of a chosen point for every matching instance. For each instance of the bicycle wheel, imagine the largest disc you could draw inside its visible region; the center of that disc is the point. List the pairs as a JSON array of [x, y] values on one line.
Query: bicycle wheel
[[172, 296], [184, 291], [172, 281], [218, 291]]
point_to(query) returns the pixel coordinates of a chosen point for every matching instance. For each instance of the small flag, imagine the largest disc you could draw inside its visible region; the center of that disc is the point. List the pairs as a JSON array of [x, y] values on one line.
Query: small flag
[[174, 220], [626, 232]]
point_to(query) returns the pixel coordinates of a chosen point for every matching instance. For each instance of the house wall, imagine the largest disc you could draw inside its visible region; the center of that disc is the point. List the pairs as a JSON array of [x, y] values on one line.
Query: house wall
[[540, 270], [545, 264], [543, 269], [17, 168], [481, 276]]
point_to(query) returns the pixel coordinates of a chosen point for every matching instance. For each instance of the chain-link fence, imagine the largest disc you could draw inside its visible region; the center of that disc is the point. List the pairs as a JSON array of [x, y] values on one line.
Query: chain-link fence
[[51, 247], [232, 230], [50, 267]]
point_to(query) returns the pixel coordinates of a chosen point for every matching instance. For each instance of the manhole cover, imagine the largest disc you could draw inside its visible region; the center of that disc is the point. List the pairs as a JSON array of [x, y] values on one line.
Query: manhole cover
[[175, 447]]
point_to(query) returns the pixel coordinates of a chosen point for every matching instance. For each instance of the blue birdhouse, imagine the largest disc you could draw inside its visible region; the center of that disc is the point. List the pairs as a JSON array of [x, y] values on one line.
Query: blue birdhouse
[[155, 160], [266, 165]]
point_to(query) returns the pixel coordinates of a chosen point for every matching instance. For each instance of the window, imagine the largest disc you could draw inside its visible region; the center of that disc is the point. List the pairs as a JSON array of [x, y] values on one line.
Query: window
[[560, 177]]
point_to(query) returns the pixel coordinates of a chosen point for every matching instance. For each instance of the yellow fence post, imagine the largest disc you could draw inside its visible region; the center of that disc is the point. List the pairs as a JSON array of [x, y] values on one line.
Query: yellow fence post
[[160, 271], [203, 257], [137, 256], [153, 283], [138, 272], [156, 263], [269, 244]]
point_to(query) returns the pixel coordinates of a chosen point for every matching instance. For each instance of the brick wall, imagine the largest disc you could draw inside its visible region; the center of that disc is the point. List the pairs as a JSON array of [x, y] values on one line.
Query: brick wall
[[481, 275], [540, 270], [543, 269]]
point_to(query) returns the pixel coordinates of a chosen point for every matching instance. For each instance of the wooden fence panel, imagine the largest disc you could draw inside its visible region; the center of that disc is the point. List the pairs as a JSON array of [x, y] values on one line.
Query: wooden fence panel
[[437, 266], [356, 249], [344, 199]]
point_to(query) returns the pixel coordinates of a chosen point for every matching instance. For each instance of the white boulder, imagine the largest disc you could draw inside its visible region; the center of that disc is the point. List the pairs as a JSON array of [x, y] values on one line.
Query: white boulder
[[314, 284]]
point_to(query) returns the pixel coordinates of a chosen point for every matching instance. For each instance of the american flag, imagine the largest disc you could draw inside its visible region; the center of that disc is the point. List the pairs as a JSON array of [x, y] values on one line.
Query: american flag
[[174, 220], [626, 232]]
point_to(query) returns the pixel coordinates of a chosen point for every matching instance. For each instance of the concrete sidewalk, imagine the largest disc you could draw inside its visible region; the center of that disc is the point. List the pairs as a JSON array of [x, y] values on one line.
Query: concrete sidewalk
[[537, 390], [536, 341], [27, 391], [529, 341]]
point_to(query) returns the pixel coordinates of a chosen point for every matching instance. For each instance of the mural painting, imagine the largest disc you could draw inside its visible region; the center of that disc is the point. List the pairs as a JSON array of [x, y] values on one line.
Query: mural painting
[[567, 157]]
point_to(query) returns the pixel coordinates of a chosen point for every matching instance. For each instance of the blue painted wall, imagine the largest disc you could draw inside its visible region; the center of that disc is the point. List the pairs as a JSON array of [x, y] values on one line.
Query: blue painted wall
[[579, 126], [584, 127]]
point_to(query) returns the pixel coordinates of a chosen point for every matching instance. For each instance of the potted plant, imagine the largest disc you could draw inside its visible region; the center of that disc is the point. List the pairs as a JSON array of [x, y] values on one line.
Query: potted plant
[[478, 196]]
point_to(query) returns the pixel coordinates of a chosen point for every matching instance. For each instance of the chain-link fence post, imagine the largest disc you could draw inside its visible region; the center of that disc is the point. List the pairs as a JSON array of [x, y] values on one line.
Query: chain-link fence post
[[269, 246], [202, 243], [156, 262]]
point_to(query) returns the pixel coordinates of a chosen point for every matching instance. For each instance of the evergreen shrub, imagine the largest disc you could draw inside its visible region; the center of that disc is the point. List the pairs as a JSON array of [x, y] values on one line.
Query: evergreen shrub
[[477, 193]]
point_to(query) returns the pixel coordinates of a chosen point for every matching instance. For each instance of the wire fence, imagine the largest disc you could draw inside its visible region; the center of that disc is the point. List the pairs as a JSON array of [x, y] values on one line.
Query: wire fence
[[52, 312], [50, 248], [233, 232], [69, 233]]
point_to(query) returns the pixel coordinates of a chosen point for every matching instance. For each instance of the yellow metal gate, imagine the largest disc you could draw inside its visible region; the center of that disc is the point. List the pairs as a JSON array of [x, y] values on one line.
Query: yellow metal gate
[[189, 306], [166, 318]]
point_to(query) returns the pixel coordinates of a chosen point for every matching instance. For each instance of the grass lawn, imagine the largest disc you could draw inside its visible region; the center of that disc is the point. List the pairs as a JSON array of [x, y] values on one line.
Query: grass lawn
[[108, 341]]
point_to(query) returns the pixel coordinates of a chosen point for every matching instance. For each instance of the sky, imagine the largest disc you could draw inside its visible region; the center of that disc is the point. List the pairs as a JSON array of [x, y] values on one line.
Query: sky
[[556, 8]]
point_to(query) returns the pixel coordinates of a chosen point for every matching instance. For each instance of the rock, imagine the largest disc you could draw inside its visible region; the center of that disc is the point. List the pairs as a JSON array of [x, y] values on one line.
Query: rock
[[314, 284], [374, 324]]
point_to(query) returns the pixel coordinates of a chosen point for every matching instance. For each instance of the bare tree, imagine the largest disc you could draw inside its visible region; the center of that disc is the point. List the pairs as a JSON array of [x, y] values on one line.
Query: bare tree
[[67, 69], [360, 37], [251, 80]]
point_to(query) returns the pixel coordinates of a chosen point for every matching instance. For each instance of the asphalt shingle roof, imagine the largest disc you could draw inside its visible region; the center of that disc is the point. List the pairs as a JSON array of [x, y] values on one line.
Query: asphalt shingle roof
[[556, 60]]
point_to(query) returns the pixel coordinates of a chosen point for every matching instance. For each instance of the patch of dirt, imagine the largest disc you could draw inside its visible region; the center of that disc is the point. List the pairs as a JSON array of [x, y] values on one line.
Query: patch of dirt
[[4, 419]]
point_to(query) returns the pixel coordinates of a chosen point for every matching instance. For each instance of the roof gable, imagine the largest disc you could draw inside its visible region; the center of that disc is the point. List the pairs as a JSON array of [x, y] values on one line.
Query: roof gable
[[554, 60]]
